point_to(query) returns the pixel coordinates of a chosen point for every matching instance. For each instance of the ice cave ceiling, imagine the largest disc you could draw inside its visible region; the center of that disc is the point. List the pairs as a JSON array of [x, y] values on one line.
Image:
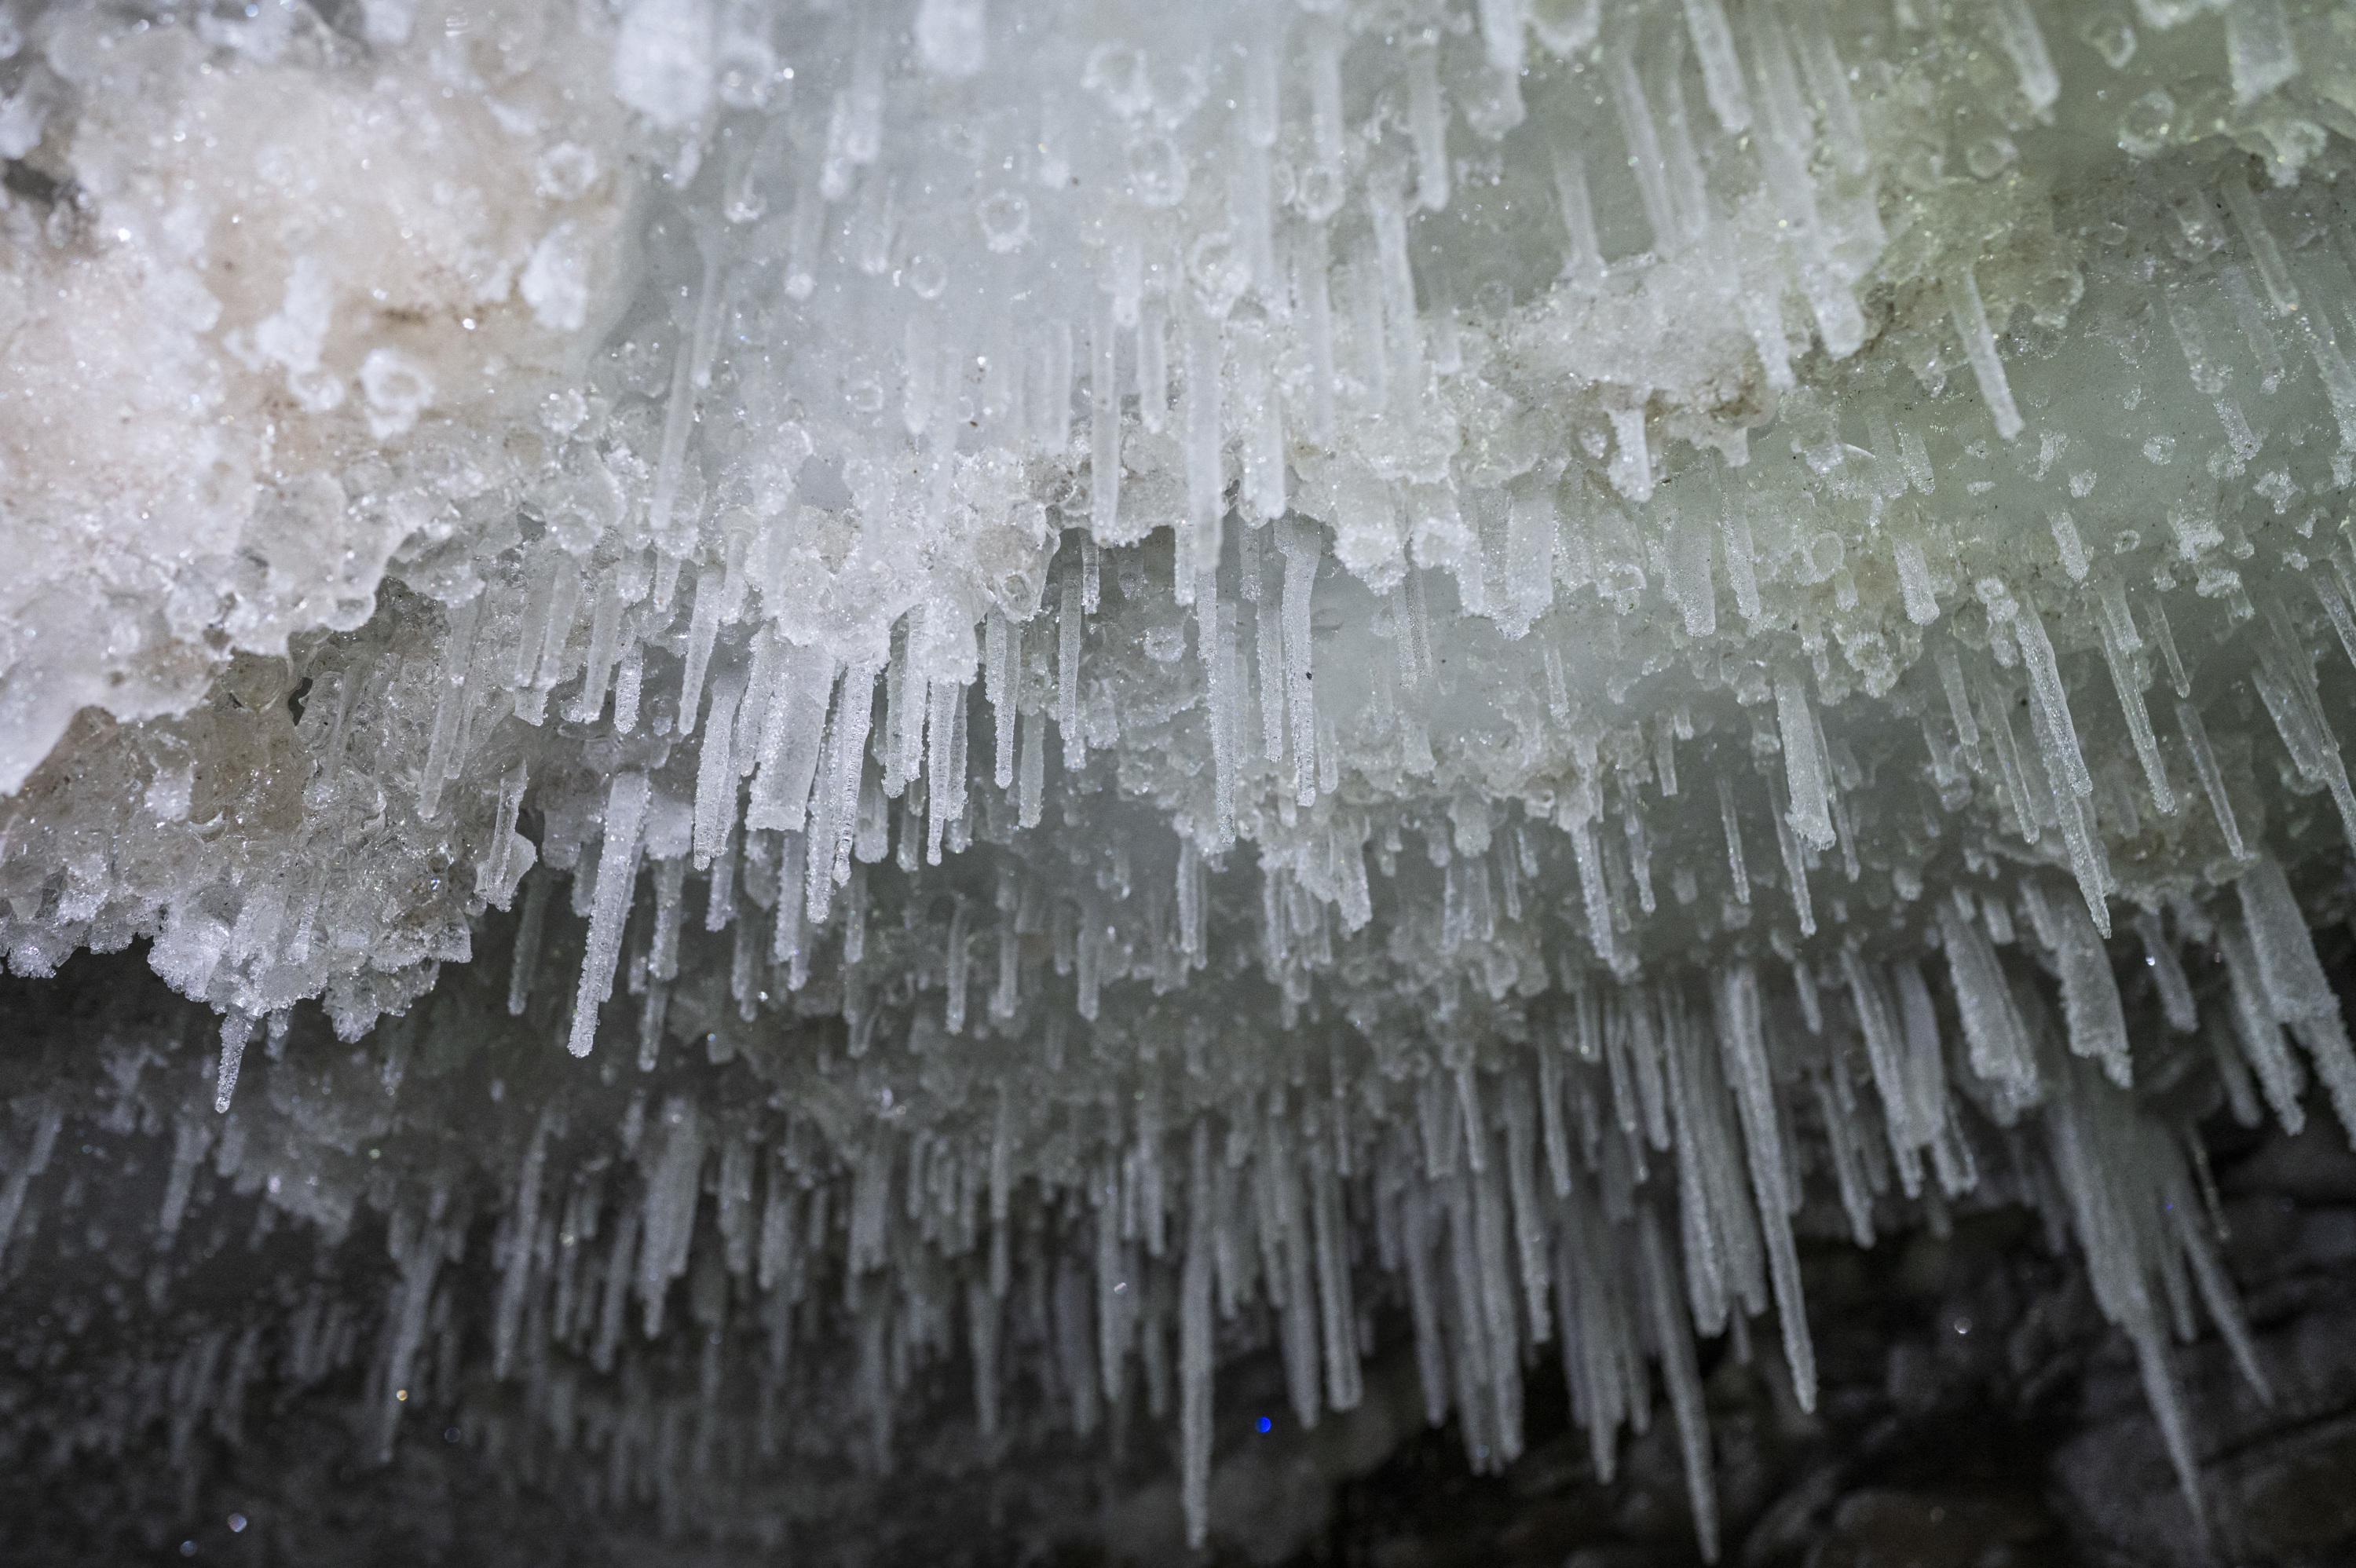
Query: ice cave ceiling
[[842, 750]]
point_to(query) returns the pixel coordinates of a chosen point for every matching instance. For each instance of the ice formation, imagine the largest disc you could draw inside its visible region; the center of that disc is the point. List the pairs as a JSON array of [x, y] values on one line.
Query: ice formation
[[1145, 681]]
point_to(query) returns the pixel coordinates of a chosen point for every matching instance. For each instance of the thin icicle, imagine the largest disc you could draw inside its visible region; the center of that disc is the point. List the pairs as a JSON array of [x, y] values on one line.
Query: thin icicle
[[1999, 1041], [1194, 1342], [2122, 650], [1585, 265], [1646, 160], [1673, 1343], [2259, 49], [526, 956], [2065, 758], [1104, 422], [1206, 487], [1979, 347], [1427, 126], [2292, 981], [1067, 673], [2091, 1011], [1302, 549], [2022, 39], [1742, 1039], [2265, 250], [716, 775], [1722, 72], [1738, 874], [2212, 780], [1803, 766], [618, 877], [236, 1030]]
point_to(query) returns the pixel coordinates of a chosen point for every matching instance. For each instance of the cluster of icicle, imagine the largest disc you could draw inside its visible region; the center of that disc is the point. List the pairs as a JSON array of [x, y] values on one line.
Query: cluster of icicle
[[1075, 1238], [868, 434], [1331, 442]]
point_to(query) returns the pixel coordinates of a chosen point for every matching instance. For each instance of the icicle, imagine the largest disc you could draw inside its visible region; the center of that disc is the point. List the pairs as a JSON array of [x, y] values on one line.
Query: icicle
[[1741, 1039], [1722, 72], [1557, 680], [2259, 50], [1959, 704], [1921, 600], [2256, 1031], [1597, 900], [2335, 609], [509, 854], [1067, 675], [1737, 875], [2057, 735], [1104, 422], [2121, 646], [1324, 47], [1502, 24], [1531, 523], [1585, 265], [2168, 975], [958, 954], [945, 788], [1270, 656], [2217, 1296], [450, 702], [1194, 1342], [1885, 1056], [1301, 548], [787, 785], [702, 632], [1803, 766], [618, 877], [2252, 318], [2292, 981], [1404, 328], [526, 945], [629, 682], [2090, 993], [1673, 1342], [236, 1030], [1829, 79], [1206, 484], [716, 775], [2024, 41], [1999, 1041], [1529, 1224], [1795, 868], [1053, 404], [1215, 646], [1979, 347], [1031, 772], [2066, 541], [1329, 1240], [1555, 1134], [1646, 160], [1259, 413], [673, 1186], [1312, 266], [1002, 662], [1691, 584], [1427, 126], [834, 816], [1741, 574], [2212, 782], [514, 1268]]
